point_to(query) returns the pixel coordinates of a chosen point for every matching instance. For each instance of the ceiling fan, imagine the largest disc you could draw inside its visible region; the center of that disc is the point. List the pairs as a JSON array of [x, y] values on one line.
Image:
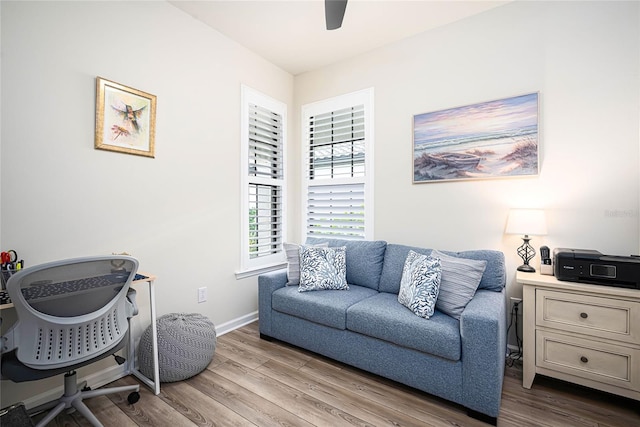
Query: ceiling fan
[[334, 13]]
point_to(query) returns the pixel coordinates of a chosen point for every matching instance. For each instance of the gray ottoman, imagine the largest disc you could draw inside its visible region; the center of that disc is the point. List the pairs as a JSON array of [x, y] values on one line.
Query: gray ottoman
[[186, 344]]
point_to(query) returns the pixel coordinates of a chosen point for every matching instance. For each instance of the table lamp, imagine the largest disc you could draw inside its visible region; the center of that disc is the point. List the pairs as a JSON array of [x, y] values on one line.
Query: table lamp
[[526, 222]]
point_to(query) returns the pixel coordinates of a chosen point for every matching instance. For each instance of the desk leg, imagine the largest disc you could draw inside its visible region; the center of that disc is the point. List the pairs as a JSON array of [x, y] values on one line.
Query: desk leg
[[154, 334], [131, 358], [155, 383], [529, 339]]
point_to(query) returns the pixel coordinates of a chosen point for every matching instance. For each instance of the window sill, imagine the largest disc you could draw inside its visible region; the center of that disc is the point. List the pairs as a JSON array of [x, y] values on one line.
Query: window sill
[[260, 270]]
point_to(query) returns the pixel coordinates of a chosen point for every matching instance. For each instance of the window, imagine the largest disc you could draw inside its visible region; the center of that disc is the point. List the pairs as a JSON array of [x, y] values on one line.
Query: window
[[338, 164], [263, 207]]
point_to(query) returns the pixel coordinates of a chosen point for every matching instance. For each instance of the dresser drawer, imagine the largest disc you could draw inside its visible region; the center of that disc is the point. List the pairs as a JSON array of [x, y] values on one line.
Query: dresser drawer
[[609, 318], [598, 361]]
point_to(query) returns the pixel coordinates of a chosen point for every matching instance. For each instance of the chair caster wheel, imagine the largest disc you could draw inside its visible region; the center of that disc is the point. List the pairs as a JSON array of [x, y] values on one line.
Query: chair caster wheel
[[133, 397]]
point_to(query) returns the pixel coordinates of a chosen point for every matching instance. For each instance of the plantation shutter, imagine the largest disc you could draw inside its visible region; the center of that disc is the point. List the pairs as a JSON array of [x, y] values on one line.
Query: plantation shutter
[[265, 143], [265, 182], [338, 190], [336, 144], [336, 211]]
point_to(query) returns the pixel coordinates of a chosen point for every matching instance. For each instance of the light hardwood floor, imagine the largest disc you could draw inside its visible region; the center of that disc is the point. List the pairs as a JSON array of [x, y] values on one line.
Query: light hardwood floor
[[256, 382]]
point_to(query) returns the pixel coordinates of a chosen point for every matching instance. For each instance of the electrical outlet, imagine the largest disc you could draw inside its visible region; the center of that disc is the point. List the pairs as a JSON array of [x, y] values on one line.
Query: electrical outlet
[[202, 294], [516, 301]]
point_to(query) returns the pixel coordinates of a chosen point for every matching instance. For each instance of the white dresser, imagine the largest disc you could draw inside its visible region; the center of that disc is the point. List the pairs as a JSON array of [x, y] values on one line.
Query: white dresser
[[585, 334]]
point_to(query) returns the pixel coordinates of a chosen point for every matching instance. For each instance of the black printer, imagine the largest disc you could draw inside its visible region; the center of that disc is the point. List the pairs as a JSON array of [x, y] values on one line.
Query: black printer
[[589, 266]]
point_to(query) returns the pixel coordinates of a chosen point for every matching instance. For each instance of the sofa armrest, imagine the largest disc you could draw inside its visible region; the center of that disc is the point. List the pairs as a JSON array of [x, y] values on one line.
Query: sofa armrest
[[483, 331], [267, 284]]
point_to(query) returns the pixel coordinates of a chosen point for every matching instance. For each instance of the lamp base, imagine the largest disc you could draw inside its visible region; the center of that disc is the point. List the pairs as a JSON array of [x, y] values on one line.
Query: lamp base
[[526, 268]]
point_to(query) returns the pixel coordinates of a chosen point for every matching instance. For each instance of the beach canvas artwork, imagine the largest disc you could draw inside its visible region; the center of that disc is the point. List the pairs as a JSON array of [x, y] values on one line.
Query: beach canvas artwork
[[486, 140]]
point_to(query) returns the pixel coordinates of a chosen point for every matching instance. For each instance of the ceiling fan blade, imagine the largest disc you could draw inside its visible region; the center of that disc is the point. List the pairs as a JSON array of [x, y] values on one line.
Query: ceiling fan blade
[[334, 13]]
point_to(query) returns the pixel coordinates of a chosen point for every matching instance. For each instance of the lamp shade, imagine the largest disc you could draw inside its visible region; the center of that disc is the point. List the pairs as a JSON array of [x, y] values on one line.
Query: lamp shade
[[526, 221]]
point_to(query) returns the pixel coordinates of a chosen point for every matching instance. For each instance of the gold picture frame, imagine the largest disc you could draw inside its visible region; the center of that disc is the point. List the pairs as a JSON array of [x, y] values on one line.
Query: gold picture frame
[[125, 119]]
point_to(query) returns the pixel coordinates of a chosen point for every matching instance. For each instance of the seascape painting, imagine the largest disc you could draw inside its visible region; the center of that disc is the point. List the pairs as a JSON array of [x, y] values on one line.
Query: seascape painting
[[486, 140]]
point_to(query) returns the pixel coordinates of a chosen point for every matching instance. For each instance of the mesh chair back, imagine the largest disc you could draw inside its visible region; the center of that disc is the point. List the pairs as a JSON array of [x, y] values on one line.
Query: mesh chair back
[[71, 311]]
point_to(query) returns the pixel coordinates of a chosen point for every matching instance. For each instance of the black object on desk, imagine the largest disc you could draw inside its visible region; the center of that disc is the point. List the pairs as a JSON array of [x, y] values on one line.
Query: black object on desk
[[4, 298], [545, 255]]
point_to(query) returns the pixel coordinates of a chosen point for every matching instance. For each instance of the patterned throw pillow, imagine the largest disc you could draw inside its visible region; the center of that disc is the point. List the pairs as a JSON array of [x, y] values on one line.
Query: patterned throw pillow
[[293, 259], [323, 268], [420, 284], [460, 279]]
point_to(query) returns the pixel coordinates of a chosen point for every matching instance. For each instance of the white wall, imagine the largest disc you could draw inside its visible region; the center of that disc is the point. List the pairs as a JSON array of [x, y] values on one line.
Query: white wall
[[179, 213], [582, 57]]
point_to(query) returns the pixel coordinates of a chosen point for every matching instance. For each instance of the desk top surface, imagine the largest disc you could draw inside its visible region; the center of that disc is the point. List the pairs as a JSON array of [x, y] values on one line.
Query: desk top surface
[[551, 282]]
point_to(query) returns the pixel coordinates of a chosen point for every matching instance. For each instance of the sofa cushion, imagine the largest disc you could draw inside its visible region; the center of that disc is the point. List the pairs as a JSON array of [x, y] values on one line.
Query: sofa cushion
[[382, 316], [420, 284], [393, 264], [322, 268], [460, 279], [292, 252], [493, 278], [364, 259], [328, 308]]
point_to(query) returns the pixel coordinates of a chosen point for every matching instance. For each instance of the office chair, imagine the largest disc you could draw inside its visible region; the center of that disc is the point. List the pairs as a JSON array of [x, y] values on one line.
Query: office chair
[[70, 313]]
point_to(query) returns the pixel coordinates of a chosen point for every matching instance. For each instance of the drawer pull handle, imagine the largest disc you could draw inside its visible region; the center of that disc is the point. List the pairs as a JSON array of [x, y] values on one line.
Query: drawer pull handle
[[584, 359], [584, 315]]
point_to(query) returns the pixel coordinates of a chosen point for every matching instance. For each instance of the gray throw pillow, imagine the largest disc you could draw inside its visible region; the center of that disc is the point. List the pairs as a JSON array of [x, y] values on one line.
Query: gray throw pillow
[[323, 268], [292, 252], [420, 283], [460, 279]]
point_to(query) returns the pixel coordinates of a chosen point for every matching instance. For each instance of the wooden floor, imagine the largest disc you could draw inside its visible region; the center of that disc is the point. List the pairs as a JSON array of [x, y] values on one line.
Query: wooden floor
[[255, 382]]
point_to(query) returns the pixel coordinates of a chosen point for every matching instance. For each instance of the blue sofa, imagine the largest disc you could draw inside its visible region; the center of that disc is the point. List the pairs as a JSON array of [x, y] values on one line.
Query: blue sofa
[[365, 326]]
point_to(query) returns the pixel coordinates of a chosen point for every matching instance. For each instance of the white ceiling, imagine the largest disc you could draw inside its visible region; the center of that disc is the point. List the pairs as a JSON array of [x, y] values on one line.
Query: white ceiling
[[292, 34]]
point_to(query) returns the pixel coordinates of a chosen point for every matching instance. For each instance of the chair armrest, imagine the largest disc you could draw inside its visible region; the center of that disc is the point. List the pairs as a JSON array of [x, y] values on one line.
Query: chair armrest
[[483, 331], [267, 284]]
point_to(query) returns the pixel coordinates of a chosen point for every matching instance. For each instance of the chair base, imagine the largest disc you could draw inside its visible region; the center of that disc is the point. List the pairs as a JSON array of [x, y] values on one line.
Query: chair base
[[73, 398]]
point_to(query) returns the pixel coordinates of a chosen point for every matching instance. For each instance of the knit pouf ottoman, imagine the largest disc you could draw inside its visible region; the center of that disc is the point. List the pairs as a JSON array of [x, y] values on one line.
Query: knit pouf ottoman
[[186, 344]]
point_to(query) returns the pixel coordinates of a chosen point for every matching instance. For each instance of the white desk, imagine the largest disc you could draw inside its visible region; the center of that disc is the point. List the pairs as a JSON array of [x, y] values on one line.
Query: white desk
[[130, 368], [581, 333]]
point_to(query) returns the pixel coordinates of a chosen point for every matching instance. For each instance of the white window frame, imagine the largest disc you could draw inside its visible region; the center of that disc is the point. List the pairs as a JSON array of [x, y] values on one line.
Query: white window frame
[[363, 97], [254, 266]]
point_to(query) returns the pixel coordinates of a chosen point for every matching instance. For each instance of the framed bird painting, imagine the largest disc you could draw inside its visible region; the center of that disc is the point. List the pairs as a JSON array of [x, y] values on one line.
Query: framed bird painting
[[125, 119]]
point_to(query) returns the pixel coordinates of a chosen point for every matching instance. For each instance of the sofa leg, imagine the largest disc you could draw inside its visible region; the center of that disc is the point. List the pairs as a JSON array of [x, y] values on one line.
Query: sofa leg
[[265, 337], [482, 417]]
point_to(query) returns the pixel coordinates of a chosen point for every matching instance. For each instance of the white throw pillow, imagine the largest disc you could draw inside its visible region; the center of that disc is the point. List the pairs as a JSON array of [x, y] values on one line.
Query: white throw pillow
[[420, 284], [323, 268], [292, 251]]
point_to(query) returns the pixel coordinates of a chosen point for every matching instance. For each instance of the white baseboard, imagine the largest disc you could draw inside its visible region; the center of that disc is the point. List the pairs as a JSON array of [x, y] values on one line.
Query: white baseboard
[[105, 376], [236, 323]]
